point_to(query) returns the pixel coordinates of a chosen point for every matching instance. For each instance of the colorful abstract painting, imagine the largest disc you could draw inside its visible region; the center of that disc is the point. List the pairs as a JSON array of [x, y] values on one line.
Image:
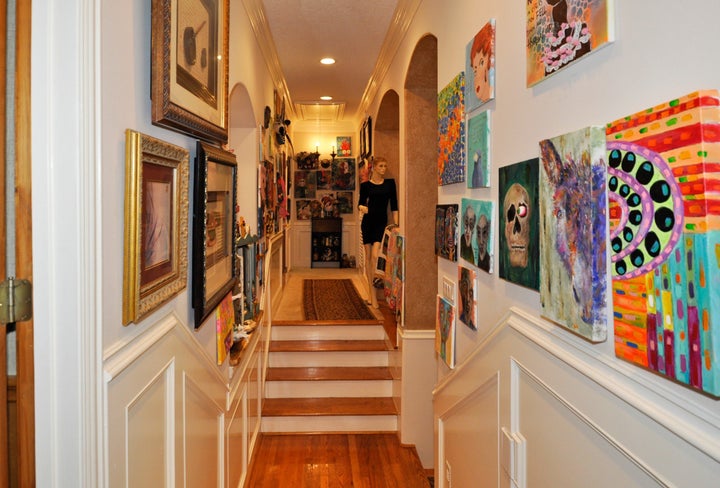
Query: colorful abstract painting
[[445, 331], [477, 233], [343, 174], [446, 220], [478, 149], [519, 223], [344, 146], [224, 321], [664, 208], [451, 132], [573, 225], [467, 293], [394, 271], [480, 67], [559, 32]]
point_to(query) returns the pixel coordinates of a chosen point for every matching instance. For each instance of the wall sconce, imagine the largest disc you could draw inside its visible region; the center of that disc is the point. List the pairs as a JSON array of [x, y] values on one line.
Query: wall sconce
[[332, 152]]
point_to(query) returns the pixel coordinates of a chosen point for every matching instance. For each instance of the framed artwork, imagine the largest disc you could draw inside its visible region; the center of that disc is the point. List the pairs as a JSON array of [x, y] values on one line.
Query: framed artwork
[[559, 32], [573, 223], [665, 237], [445, 331], [214, 229], [224, 322], [477, 234], [305, 184], [344, 146], [480, 68], [343, 174], [156, 224], [345, 202], [451, 132], [366, 139], [446, 217], [467, 291], [519, 223], [190, 67], [478, 148]]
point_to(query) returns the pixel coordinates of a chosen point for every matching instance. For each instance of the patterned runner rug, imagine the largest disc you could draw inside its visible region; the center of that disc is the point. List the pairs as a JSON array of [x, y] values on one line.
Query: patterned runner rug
[[333, 300]]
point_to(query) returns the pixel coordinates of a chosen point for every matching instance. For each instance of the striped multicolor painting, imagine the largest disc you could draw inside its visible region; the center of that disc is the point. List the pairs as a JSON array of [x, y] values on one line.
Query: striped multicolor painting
[[664, 192]]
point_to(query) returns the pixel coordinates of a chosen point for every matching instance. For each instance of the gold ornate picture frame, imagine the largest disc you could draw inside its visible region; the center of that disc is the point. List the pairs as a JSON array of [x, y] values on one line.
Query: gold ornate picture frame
[[190, 67], [156, 224]]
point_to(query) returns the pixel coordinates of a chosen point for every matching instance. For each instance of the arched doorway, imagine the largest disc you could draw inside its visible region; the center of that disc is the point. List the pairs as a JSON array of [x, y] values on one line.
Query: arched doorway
[[386, 136], [420, 183], [243, 139]]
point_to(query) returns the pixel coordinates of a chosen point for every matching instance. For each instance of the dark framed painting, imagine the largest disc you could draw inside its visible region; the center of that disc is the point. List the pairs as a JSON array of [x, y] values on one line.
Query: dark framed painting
[[190, 67], [156, 224], [214, 229], [366, 138]]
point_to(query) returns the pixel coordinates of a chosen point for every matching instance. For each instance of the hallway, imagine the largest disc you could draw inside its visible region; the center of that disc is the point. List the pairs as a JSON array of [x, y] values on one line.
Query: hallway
[[339, 459]]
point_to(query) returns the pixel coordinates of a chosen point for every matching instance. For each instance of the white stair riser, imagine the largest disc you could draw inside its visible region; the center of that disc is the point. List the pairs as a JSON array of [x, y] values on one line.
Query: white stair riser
[[328, 424], [325, 332], [310, 359], [326, 389]]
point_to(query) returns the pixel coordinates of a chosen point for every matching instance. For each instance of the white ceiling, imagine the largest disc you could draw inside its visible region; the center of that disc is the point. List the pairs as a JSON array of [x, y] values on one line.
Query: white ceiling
[[351, 31]]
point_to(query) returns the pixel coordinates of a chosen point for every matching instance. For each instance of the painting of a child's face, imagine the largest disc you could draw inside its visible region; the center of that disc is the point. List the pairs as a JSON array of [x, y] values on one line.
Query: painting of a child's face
[[480, 67]]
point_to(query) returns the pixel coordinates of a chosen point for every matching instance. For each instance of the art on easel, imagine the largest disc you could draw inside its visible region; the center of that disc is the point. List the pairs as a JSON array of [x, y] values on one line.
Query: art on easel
[[519, 223], [445, 331], [573, 223], [478, 149], [480, 68], [477, 237], [451, 132], [467, 286], [559, 32], [665, 238], [446, 220]]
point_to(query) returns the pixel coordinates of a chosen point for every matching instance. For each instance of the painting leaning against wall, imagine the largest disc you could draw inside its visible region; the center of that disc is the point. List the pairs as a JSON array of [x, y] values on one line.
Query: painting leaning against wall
[[573, 225], [665, 238]]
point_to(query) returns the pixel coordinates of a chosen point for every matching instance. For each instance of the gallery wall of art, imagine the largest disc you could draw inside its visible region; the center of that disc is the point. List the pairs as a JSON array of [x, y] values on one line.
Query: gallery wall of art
[[536, 147]]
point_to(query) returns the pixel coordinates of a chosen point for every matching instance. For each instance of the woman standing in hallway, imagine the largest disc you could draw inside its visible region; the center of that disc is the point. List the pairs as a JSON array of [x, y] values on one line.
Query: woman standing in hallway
[[375, 196]]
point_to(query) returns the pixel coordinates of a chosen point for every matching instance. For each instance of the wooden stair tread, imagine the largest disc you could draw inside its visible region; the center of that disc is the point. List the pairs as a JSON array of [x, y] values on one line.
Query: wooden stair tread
[[307, 323], [329, 373], [279, 407], [329, 345]]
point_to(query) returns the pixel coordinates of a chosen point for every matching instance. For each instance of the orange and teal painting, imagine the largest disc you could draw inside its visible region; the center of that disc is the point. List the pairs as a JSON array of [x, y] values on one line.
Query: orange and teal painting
[[664, 209], [559, 32], [451, 132]]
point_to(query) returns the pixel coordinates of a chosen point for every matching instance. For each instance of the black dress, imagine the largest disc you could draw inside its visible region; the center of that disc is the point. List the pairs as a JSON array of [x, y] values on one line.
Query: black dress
[[376, 198]]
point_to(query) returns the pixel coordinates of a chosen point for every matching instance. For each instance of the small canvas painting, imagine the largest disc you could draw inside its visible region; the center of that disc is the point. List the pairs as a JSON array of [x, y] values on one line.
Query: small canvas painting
[[467, 287], [519, 223], [480, 67], [559, 32], [344, 147], [664, 217], [224, 321], [478, 150], [477, 236], [445, 331], [343, 174], [446, 218], [573, 223], [451, 132]]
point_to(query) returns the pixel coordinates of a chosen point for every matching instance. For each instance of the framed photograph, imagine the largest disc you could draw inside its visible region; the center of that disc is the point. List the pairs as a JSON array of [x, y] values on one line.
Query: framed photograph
[[214, 229], [156, 224], [190, 67]]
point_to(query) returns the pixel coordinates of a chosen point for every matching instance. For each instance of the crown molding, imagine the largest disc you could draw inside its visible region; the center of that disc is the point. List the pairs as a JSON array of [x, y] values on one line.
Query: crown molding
[[403, 16], [261, 28]]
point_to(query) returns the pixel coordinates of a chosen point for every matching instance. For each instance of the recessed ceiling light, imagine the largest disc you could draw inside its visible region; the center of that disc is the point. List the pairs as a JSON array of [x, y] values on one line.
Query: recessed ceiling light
[[327, 61], [326, 97]]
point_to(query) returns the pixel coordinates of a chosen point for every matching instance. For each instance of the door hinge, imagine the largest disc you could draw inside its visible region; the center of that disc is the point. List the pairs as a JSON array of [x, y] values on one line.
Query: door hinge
[[15, 301]]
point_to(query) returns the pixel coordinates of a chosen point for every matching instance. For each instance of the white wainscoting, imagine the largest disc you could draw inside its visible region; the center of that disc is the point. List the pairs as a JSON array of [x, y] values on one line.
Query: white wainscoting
[[173, 419], [535, 407]]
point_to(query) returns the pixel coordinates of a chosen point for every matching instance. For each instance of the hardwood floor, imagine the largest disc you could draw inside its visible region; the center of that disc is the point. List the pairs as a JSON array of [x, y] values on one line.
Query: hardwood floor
[[335, 461]]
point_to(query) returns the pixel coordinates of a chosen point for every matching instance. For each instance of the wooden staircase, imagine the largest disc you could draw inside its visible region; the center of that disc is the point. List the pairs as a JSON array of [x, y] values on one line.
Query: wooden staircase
[[329, 376]]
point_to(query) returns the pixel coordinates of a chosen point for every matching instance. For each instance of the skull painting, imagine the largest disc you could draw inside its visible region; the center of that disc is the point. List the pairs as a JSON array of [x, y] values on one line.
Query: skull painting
[[517, 212]]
